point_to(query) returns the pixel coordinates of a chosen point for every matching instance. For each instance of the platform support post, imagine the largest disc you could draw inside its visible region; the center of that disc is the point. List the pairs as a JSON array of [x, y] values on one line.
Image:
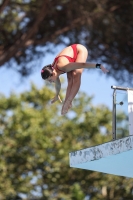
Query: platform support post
[[114, 116]]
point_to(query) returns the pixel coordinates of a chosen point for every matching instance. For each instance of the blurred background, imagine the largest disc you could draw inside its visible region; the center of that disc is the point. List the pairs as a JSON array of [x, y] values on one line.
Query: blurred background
[[35, 139]]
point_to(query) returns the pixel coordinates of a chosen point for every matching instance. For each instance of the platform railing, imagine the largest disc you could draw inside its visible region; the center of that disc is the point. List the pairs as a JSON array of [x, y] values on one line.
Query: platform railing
[[129, 108]]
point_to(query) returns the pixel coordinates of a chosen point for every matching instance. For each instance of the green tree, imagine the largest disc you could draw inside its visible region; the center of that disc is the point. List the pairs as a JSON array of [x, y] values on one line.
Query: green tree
[[28, 29], [35, 141]]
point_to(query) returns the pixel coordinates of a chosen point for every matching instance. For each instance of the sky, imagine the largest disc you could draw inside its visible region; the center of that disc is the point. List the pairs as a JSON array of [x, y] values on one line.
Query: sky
[[93, 82]]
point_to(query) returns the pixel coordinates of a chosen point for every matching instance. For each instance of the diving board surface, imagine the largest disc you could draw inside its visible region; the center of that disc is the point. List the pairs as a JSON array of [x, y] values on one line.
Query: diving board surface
[[114, 157]]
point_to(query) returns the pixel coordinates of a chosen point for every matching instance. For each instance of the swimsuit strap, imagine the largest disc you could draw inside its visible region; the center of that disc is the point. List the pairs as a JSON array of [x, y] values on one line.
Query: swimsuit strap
[[56, 65], [68, 57], [74, 47]]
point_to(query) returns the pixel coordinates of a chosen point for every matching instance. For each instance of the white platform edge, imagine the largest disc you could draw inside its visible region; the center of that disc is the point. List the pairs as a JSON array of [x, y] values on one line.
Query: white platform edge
[[101, 151]]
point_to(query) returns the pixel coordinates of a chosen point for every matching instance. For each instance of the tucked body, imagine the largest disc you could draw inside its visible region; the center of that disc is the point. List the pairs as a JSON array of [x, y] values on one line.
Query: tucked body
[[71, 60]]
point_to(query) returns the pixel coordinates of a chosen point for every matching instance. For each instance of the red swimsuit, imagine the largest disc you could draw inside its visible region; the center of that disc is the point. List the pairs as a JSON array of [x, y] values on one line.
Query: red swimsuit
[[74, 47]]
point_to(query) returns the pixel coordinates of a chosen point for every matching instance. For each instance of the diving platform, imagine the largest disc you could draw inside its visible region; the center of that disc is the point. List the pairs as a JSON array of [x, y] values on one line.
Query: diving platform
[[116, 156]]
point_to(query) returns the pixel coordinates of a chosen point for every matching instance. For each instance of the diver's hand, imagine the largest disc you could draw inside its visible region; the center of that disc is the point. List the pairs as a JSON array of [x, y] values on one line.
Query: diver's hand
[[56, 98], [104, 69]]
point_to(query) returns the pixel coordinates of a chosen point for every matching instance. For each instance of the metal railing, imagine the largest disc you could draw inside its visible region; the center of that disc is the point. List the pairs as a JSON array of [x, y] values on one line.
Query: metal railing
[[114, 108]]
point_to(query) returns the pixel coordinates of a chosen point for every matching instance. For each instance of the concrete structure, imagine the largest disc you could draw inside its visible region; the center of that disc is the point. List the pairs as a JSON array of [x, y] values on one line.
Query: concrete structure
[[115, 157]]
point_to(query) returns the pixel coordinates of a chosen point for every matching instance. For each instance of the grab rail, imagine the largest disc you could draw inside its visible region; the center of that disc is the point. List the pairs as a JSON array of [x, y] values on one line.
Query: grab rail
[[114, 108]]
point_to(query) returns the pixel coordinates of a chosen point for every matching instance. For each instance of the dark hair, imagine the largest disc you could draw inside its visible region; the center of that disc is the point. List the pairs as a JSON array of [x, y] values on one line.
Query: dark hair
[[46, 71]]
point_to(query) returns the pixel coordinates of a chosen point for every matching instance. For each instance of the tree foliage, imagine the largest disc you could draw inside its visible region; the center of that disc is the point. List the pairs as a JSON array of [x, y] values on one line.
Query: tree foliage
[[35, 141], [30, 28]]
